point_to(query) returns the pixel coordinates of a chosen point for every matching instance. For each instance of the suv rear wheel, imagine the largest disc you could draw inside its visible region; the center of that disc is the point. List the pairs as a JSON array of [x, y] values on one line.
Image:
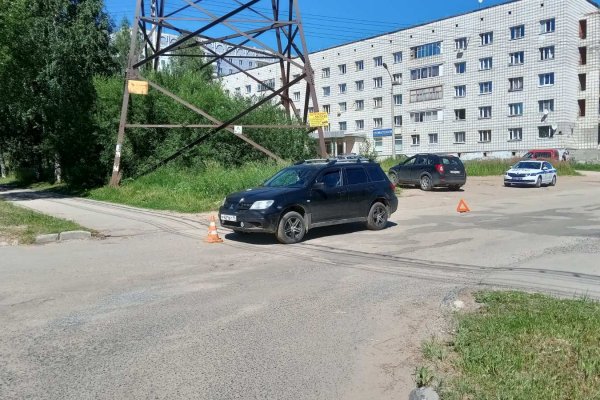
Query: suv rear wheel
[[378, 216], [426, 182], [291, 228]]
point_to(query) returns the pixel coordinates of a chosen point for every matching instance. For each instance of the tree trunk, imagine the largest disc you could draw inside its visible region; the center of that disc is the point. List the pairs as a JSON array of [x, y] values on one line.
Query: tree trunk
[[57, 170], [2, 165]]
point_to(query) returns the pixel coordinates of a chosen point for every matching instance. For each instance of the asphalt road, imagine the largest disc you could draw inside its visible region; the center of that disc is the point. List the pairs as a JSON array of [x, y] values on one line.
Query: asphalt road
[[151, 311]]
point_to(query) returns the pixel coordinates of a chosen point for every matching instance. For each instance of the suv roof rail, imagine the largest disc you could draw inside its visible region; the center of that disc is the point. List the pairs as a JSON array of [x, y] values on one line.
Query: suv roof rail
[[331, 161]]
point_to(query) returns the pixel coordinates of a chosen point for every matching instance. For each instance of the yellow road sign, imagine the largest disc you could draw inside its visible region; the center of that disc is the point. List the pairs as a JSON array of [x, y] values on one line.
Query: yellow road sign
[[137, 87], [316, 119]]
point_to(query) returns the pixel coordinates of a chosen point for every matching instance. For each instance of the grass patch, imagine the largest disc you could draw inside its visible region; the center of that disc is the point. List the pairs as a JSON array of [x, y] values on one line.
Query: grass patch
[[24, 225], [526, 346], [187, 190], [587, 167]]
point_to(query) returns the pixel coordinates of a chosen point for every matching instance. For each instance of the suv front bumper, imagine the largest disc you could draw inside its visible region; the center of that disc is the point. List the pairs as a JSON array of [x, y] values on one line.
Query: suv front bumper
[[250, 220]]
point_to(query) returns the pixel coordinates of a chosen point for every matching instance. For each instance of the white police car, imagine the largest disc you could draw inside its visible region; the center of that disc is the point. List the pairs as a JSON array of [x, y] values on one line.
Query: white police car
[[532, 173]]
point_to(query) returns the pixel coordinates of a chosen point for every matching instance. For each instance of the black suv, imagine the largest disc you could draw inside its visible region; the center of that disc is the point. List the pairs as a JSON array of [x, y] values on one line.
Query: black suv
[[429, 171], [311, 194]]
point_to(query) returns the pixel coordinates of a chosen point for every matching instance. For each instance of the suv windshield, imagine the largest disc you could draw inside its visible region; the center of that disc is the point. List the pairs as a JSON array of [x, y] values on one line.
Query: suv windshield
[[291, 177], [527, 165]]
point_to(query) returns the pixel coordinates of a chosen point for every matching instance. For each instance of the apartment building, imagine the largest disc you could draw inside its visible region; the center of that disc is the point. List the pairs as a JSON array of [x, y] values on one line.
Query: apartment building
[[494, 82]]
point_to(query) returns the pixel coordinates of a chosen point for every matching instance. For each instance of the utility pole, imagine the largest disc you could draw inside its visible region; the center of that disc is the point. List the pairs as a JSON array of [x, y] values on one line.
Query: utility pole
[[392, 84]]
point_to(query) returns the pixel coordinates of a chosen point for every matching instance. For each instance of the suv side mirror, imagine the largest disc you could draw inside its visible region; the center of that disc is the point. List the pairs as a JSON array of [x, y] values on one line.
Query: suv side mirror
[[318, 186]]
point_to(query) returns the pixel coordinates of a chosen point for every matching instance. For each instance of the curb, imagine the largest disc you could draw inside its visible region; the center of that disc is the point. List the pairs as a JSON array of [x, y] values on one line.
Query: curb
[[63, 236]]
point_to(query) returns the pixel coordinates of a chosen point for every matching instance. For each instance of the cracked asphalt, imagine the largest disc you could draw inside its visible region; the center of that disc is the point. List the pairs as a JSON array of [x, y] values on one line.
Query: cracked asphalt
[[151, 311]]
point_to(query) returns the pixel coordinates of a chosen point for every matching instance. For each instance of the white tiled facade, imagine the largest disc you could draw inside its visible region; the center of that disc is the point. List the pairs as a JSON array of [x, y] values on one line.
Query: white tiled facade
[[475, 125]]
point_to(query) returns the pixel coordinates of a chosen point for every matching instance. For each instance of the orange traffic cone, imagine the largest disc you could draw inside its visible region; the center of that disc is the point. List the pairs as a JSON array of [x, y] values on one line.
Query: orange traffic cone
[[213, 235], [462, 207]]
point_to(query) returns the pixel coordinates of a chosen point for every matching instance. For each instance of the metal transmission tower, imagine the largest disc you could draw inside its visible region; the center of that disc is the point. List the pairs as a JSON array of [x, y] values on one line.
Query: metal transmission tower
[[267, 29]]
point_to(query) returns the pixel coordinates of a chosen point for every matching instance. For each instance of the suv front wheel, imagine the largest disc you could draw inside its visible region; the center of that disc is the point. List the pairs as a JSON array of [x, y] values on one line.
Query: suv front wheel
[[291, 228], [378, 216]]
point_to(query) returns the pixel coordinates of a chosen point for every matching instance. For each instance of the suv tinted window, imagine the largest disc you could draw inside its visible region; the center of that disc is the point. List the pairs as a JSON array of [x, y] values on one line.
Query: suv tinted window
[[421, 160], [450, 161], [331, 178], [375, 173], [355, 175]]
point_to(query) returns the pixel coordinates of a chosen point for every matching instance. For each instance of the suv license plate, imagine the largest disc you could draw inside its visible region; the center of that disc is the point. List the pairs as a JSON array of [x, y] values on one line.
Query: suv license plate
[[225, 217], [455, 172]]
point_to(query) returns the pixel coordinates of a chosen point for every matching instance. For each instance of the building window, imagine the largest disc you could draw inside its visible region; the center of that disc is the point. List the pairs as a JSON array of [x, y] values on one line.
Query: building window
[[517, 32], [327, 128], [415, 140], [459, 137], [515, 84], [397, 57], [360, 65], [377, 102], [546, 79], [433, 138], [583, 29], [360, 124], [342, 88], [377, 82], [296, 96], [311, 109], [461, 43], [359, 105], [486, 38], [342, 69], [517, 58], [425, 116], [545, 132], [343, 125], [426, 50], [398, 143], [546, 105], [377, 122], [425, 72], [398, 120], [582, 82], [460, 91], [397, 78], [485, 112], [485, 87], [360, 85], [582, 55], [547, 25], [269, 84], [485, 63], [426, 94], [378, 61], [327, 108], [248, 88], [238, 90], [547, 53], [515, 134], [581, 104], [515, 109], [326, 91], [460, 67], [342, 106], [460, 114], [485, 136], [378, 144], [325, 72]]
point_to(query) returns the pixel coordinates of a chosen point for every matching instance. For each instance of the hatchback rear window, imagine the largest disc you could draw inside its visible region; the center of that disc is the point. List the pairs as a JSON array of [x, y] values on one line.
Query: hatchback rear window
[[375, 173], [450, 161]]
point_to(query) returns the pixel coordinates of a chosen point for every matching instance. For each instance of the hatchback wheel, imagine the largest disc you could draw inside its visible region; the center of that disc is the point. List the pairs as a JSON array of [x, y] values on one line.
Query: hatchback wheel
[[538, 183], [378, 217], [553, 183], [291, 228], [426, 182]]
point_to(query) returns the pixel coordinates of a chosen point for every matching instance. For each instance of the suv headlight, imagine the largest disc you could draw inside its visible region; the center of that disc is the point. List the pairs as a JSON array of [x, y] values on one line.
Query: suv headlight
[[262, 204]]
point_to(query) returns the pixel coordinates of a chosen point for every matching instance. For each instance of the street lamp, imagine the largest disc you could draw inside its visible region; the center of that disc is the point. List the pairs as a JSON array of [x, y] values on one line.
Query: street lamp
[[393, 83]]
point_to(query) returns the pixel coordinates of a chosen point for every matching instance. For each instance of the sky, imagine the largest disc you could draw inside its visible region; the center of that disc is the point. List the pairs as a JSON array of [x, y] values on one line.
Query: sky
[[330, 23]]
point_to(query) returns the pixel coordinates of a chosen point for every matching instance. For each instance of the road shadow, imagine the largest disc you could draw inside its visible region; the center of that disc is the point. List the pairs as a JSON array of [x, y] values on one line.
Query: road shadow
[[313, 234], [434, 190], [12, 192]]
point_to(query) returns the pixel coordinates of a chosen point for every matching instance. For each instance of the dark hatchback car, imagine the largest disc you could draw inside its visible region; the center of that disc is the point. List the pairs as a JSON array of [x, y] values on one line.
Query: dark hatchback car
[[312, 194], [430, 170]]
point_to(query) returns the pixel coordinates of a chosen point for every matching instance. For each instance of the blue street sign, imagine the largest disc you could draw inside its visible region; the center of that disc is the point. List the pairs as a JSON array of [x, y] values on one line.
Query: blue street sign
[[382, 132]]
